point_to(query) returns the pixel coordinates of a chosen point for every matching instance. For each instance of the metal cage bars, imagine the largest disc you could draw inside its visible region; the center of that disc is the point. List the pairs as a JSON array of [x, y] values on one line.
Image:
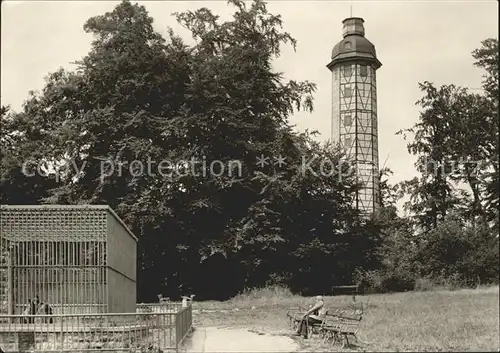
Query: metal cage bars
[[62, 254]]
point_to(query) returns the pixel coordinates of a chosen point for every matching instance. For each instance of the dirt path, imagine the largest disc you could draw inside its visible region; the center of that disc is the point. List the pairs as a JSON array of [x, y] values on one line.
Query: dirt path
[[213, 339]]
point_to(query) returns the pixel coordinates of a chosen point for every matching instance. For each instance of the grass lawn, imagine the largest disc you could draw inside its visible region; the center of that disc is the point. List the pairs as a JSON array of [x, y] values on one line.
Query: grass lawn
[[461, 320]]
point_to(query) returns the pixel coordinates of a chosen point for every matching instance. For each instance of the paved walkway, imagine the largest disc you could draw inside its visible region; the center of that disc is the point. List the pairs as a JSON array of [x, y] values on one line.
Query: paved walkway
[[212, 339]]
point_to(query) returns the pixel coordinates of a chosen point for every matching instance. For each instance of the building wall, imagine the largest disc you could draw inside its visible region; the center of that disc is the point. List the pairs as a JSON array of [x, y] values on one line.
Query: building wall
[[121, 293], [122, 263]]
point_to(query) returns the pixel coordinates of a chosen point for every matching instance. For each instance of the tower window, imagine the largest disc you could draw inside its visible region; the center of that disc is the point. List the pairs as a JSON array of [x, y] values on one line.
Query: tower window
[[347, 120], [347, 70], [363, 70], [347, 92], [347, 45], [348, 142]]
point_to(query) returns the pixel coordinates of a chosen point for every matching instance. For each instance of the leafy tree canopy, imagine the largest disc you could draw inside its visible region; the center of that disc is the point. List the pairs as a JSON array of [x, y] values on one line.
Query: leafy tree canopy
[[137, 99]]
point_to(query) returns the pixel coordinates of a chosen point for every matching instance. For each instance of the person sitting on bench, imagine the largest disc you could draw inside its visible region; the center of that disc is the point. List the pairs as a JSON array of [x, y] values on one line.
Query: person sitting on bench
[[313, 316]]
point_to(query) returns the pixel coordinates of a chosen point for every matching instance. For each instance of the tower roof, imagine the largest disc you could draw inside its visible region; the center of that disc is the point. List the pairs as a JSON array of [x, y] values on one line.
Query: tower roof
[[354, 45]]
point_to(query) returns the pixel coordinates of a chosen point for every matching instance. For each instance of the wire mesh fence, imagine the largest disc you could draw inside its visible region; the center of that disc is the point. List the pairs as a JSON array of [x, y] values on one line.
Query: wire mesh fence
[[154, 327]]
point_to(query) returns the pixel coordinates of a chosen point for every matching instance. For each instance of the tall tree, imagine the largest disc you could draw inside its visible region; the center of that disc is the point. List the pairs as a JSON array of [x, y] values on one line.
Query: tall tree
[[456, 141], [487, 58], [149, 123], [24, 176], [431, 195]]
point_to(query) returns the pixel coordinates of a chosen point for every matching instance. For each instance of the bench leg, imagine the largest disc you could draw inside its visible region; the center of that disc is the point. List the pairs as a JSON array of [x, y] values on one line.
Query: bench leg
[[315, 330], [322, 334], [355, 337], [345, 340], [334, 338], [330, 335]]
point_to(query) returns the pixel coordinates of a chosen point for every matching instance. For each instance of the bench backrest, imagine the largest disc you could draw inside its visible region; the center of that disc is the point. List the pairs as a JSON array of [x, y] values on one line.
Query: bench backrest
[[353, 309], [342, 321], [347, 316], [352, 289]]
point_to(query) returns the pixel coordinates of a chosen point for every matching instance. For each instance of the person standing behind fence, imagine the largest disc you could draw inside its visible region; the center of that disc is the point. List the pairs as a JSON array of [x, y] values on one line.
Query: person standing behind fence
[[45, 309], [27, 312], [31, 309]]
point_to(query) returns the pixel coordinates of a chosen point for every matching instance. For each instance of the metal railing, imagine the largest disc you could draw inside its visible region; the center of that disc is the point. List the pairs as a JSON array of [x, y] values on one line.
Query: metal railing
[[165, 307], [154, 327], [183, 325]]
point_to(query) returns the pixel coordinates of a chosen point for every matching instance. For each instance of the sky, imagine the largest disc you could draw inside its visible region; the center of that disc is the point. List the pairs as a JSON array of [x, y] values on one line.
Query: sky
[[415, 41]]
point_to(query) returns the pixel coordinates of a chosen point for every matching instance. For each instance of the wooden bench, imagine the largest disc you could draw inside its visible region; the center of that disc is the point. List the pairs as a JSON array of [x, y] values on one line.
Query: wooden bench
[[295, 316], [352, 289], [340, 324]]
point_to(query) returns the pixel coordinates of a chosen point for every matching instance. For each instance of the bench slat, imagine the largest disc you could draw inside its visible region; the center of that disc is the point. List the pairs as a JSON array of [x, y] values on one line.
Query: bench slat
[[338, 322]]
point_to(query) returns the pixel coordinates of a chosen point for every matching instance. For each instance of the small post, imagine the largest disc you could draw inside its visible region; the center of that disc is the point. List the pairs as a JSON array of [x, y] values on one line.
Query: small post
[[177, 329], [10, 284], [62, 332]]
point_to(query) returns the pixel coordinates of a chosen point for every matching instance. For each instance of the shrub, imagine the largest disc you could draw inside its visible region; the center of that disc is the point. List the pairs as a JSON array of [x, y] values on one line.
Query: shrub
[[383, 281], [450, 256], [455, 255]]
